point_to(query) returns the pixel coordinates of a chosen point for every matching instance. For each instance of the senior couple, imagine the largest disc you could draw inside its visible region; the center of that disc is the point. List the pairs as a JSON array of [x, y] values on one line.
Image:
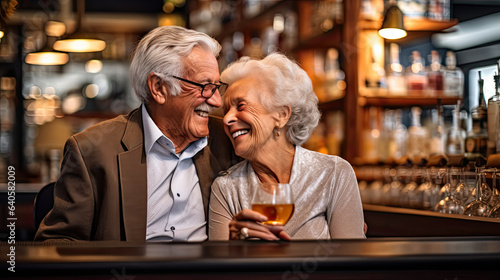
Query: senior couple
[[170, 171]]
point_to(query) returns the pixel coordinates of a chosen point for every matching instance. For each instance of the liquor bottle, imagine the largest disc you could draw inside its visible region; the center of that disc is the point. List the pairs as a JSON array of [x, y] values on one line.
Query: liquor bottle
[[417, 137], [399, 137], [383, 148], [476, 143], [453, 77], [396, 83], [371, 138], [435, 73], [493, 110], [374, 73], [455, 141], [416, 76], [437, 138], [334, 77]]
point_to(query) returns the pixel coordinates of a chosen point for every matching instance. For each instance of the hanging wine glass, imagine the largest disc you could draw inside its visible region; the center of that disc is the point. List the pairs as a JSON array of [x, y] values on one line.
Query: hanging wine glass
[[495, 193], [494, 200], [376, 190], [479, 207], [495, 212], [424, 186], [408, 195], [391, 191], [429, 190], [449, 204], [464, 189]]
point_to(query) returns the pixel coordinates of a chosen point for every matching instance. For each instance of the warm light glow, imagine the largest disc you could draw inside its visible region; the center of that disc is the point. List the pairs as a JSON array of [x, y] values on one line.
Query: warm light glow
[[279, 23], [47, 58], [168, 7], [396, 67], [1, 34], [93, 66], [91, 90], [73, 103], [55, 28], [392, 33], [80, 45]]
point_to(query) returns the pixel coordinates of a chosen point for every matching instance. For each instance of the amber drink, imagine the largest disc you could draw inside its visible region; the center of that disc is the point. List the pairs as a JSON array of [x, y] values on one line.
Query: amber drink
[[274, 201], [277, 214]]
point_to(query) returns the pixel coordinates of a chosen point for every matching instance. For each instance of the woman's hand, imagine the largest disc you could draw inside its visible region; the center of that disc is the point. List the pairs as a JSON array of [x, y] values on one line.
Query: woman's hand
[[252, 221]]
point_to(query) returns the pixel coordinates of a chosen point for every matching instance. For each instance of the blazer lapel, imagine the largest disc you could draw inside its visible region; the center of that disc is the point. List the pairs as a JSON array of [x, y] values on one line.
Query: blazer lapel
[[204, 162], [133, 180]]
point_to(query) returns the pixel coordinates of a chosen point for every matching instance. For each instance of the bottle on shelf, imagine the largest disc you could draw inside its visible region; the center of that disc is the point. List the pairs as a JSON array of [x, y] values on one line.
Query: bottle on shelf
[[453, 77], [435, 73], [384, 143], [455, 141], [439, 9], [417, 137], [375, 73], [399, 138], [413, 8], [334, 76], [334, 132], [396, 83], [372, 9], [493, 115], [371, 138], [476, 143], [437, 138], [416, 76]]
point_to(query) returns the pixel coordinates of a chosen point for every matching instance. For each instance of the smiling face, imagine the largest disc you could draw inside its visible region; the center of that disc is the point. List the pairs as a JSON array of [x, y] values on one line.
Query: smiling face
[[185, 116], [248, 124]]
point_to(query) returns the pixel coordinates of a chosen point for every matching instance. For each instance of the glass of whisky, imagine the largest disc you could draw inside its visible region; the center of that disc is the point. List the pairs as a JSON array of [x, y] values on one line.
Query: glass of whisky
[[275, 201]]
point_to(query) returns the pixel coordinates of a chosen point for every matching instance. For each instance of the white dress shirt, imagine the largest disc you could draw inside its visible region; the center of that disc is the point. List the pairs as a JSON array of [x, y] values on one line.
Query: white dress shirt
[[175, 204]]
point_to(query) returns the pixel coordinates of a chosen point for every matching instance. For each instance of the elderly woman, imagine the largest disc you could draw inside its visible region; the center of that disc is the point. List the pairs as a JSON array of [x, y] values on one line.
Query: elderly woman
[[270, 110]]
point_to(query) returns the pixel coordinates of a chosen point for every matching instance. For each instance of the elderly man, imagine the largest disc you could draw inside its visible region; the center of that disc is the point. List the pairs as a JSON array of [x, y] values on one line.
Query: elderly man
[[146, 176]]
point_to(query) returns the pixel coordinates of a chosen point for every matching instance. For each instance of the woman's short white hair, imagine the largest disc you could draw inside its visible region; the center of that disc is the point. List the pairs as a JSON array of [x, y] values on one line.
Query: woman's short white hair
[[163, 51], [290, 86]]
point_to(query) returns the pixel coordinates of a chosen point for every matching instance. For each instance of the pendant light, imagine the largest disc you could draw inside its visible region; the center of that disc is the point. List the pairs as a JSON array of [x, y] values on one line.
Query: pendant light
[[78, 41], [393, 24], [47, 56]]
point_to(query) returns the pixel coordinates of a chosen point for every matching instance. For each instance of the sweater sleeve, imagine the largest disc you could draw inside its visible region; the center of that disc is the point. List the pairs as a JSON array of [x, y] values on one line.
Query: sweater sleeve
[[346, 210], [219, 214]]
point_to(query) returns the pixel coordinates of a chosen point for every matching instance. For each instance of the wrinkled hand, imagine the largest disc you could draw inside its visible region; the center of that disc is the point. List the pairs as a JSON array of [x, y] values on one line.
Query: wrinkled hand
[[252, 220]]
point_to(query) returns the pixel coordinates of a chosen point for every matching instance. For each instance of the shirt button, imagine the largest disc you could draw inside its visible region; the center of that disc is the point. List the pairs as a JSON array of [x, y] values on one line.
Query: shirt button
[[172, 228], [178, 195]]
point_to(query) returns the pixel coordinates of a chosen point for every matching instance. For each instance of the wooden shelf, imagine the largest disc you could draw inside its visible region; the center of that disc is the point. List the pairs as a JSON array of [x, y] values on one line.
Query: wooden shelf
[[417, 28], [411, 25], [414, 98]]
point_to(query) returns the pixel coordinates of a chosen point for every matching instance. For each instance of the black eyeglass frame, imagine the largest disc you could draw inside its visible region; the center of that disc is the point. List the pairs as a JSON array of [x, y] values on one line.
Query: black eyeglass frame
[[202, 86]]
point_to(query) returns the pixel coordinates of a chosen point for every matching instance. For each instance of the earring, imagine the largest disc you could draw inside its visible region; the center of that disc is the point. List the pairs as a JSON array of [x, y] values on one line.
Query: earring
[[277, 127]]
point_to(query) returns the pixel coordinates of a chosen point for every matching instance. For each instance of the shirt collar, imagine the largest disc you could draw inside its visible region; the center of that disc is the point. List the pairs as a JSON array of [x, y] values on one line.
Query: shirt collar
[[152, 134]]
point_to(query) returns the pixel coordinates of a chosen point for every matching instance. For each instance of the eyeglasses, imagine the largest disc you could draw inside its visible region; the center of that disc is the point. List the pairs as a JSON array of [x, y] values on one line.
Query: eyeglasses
[[208, 89]]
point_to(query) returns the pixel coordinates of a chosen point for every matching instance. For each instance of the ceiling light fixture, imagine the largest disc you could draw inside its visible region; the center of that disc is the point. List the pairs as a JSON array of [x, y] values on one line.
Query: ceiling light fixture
[[78, 41], [393, 24], [47, 56]]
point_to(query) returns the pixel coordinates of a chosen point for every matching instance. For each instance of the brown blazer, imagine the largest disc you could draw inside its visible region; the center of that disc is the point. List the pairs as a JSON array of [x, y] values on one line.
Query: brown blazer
[[101, 193]]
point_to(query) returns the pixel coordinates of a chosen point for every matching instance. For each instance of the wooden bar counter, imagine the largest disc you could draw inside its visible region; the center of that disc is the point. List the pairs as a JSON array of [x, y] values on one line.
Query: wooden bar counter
[[372, 258]]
